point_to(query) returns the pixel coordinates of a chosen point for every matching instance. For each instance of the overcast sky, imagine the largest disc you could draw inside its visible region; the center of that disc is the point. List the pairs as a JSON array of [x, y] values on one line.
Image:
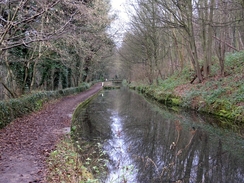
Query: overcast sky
[[118, 27]]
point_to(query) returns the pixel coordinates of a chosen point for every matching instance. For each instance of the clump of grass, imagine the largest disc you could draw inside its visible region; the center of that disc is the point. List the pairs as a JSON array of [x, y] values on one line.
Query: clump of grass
[[176, 79], [65, 165]]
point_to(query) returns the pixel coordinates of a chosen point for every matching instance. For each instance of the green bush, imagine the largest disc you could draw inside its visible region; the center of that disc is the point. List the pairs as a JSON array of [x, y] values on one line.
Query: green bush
[[14, 108]]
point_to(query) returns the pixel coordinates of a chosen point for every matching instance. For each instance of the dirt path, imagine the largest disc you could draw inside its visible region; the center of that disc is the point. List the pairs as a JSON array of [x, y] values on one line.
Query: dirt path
[[27, 141]]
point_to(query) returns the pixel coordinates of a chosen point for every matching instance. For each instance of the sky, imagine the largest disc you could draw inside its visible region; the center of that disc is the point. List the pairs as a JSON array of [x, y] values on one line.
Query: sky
[[119, 25]]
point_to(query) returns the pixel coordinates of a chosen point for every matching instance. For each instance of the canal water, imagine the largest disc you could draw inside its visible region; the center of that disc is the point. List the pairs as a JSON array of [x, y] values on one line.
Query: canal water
[[146, 143]]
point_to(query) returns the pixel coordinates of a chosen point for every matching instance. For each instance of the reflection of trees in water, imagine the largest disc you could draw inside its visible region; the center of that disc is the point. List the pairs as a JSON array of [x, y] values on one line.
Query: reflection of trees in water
[[193, 158], [196, 162], [91, 121], [149, 135]]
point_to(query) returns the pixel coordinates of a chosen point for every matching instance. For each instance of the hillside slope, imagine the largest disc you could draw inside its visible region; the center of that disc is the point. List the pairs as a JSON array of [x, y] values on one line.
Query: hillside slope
[[219, 95]]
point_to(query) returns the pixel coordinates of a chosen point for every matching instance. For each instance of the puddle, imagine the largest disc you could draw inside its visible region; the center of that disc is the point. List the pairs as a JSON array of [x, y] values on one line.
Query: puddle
[[65, 130], [70, 115]]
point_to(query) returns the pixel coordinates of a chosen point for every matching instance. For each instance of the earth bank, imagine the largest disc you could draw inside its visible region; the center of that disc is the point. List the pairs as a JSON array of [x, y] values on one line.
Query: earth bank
[[191, 96]]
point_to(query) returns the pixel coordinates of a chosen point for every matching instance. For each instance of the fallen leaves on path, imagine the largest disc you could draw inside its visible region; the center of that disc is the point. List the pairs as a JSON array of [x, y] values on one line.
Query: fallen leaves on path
[[26, 142]]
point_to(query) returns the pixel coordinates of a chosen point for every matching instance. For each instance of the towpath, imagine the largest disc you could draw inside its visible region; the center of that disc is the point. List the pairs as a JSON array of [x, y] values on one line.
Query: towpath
[[26, 142]]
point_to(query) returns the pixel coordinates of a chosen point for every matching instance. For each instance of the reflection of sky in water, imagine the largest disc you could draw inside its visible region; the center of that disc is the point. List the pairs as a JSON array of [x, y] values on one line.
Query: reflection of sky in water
[[121, 168], [138, 133]]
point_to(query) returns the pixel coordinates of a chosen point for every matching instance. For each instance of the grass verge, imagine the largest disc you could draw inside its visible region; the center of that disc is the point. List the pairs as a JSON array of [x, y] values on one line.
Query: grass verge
[[65, 165]]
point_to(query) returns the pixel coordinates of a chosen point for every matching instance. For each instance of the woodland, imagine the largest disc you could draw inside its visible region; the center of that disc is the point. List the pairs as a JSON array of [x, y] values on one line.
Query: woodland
[[52, 44], [169, 36], [182, 52], [187, 53]]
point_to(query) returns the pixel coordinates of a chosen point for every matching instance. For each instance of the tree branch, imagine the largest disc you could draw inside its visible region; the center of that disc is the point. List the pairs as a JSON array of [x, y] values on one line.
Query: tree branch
[[226, 43]]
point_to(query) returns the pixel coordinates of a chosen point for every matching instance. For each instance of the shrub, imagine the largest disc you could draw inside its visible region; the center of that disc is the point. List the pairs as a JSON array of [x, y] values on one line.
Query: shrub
[[14, 108]]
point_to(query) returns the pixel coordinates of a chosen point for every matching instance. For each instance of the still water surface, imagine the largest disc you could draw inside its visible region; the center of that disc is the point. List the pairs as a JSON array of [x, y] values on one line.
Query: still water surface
[[148, 143]]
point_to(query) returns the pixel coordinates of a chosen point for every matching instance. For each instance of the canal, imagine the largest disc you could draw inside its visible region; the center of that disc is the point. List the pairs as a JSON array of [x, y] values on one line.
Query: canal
[[145, 142]]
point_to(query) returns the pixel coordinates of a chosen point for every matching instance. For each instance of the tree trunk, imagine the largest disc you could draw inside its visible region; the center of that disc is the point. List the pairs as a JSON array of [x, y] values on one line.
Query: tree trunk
[[9, 90], [209, 41], [192, 42]]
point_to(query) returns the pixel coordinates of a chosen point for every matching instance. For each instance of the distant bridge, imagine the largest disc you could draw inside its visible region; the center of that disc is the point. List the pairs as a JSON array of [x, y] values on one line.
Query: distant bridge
[[116, 80], [113, 82]]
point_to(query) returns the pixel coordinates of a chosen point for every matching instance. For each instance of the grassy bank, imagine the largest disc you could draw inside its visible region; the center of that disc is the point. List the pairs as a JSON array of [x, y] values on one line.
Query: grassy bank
[[222, 96], [73, 161], [65, 165]]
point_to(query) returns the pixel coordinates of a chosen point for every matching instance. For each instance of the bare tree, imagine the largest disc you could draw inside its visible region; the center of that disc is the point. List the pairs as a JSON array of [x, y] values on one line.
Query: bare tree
[[51, 40]]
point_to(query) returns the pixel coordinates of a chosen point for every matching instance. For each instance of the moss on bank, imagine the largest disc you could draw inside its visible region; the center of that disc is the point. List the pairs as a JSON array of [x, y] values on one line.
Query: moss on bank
[[221, 108]]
